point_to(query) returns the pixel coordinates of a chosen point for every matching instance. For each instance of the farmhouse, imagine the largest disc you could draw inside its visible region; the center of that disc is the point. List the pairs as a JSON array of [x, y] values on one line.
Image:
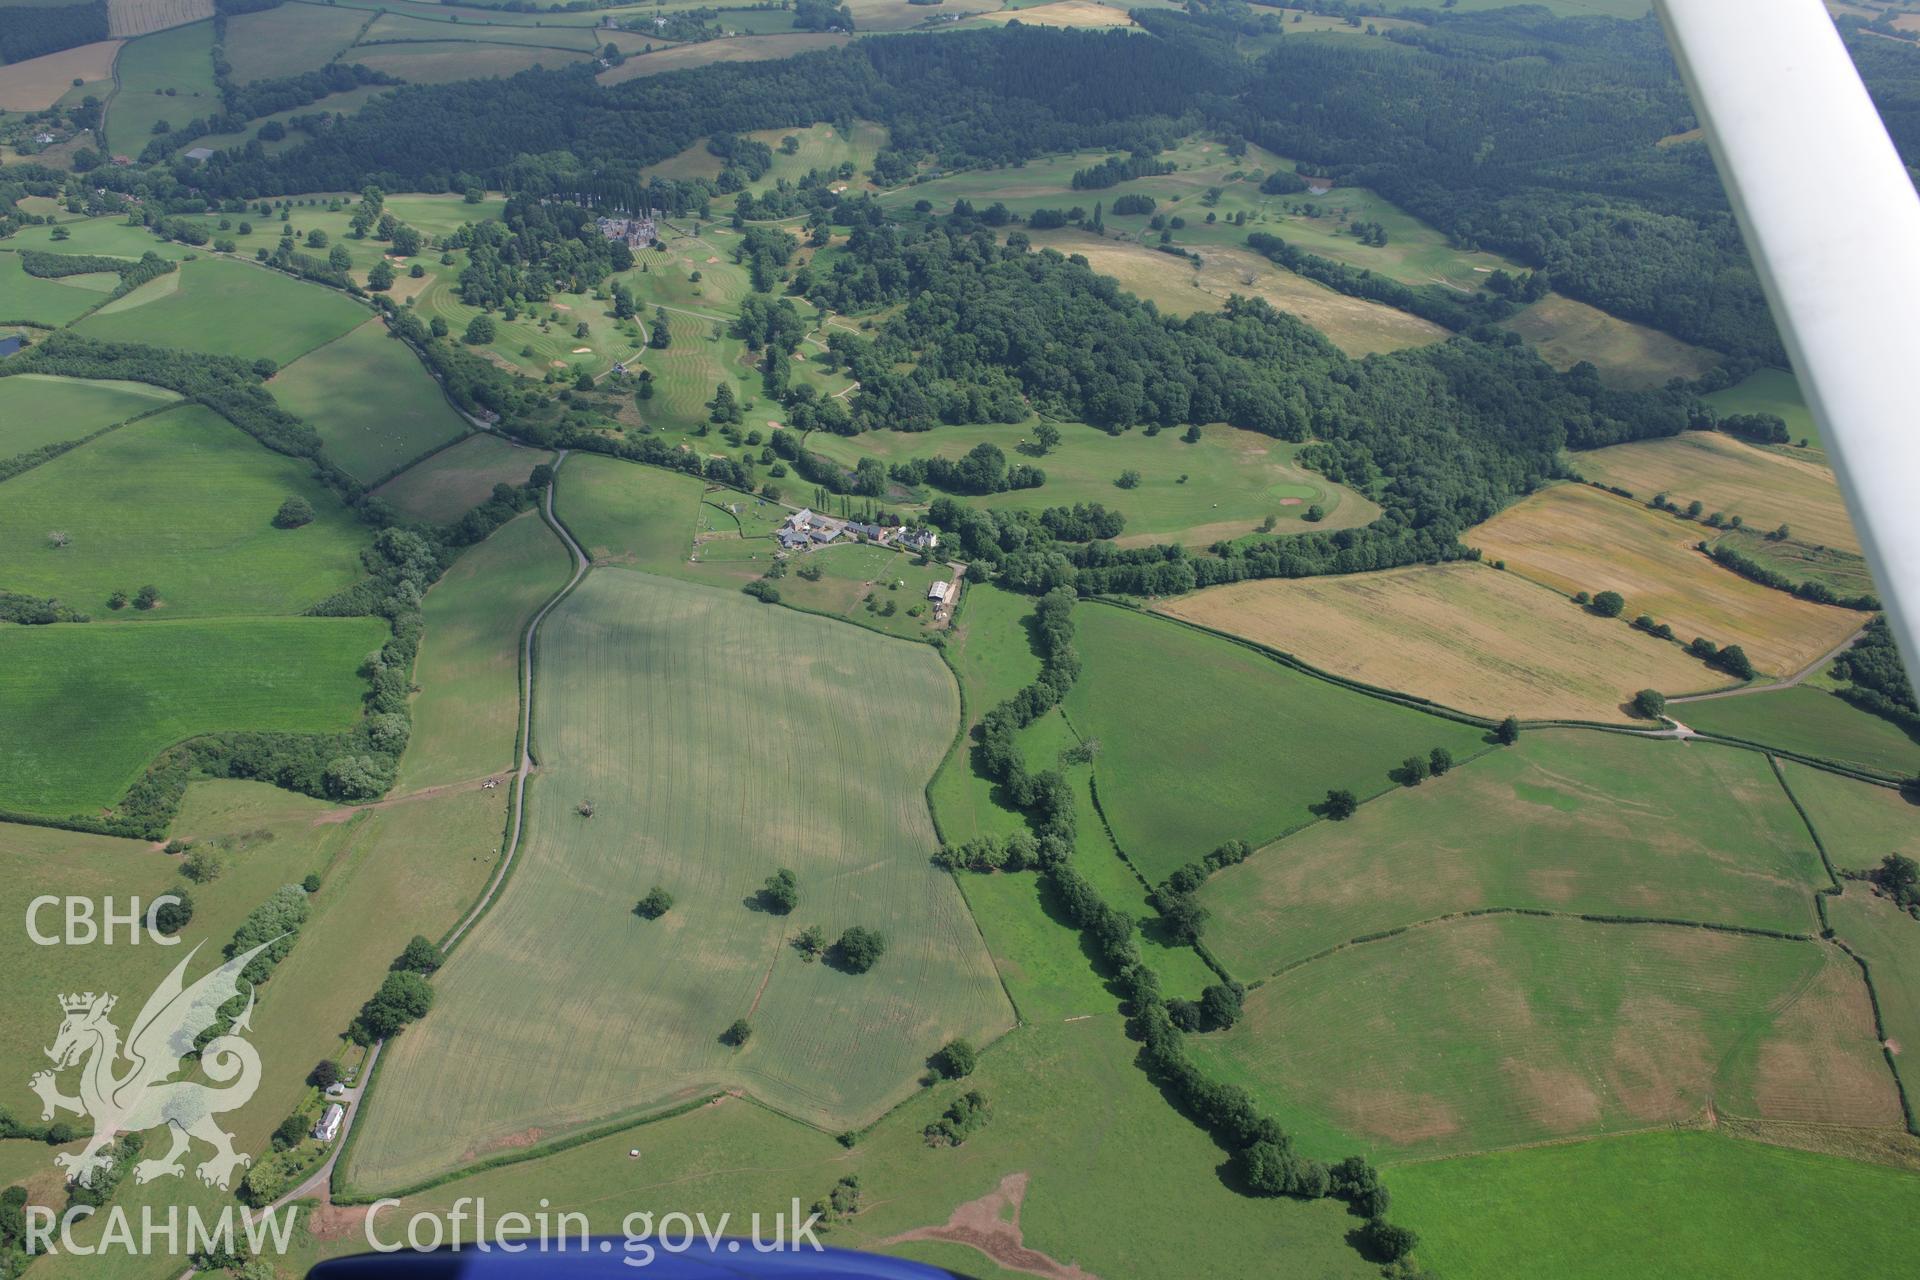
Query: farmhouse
[[329, 1127]]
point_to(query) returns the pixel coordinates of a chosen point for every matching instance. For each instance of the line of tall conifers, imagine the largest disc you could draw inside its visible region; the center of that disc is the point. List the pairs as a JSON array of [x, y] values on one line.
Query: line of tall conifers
[[1264, 1155]]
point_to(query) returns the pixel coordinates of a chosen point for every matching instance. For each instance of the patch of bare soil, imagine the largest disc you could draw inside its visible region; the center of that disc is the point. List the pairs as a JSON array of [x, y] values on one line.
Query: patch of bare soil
[[337, 1221], [985, 1225], [512, 1142]]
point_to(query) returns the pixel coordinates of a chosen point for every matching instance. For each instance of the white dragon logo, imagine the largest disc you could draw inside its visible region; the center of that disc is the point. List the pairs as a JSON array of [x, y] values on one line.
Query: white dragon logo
[[142, 1097]]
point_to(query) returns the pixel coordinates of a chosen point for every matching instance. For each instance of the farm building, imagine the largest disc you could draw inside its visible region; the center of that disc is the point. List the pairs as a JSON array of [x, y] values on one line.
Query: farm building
[[938, 592], [200, 155], [329, 1127]]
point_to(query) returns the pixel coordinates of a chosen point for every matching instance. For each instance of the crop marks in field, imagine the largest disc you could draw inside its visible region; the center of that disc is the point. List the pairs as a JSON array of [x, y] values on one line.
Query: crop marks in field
[[1503, 1030], [1463, 635], [1575, 538], [717, 739], [446, 486], [1565, 821]]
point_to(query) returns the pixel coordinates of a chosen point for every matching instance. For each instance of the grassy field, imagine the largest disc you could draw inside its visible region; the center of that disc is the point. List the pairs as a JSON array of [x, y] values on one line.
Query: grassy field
[[1575, 538], [712, 757], [1772, 391], [1858, 822], [183, 501], [373, 403], [1766, 488], [626, 514], [1811, 721], [442, 61], [1566, 821], [37, 409], [466, 717], [1203, 741], [1464, 635], [451, 483], [90, 706], [1505, 1030], [992, 654], [111, 237], [1628, 355], [740, 49], [400, 28], [35, 84], [231, 308], [1888, 939], [166, 76], [1196, 494], [1844, 571], [1082, 14], [1057, 1090], [289, 40], [1696, 1204], [43, 302], [1178, 287]]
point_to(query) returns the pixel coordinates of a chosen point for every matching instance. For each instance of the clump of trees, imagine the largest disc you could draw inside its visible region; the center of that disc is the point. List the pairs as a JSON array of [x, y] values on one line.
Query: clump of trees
[[1649, 704], [293, 513], [656, 904], [404, 997], [964, 1117], [956, 1059], [781, 892], [859, 949], [422, 956], [738, 1032]]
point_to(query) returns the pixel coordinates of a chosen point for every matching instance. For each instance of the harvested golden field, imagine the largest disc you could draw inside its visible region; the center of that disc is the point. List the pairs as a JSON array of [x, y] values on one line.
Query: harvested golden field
[[1628, 355], [37, 83], [1179, 288], [1575, 538], [1463, 635], [1765, 488], [1064, 13]]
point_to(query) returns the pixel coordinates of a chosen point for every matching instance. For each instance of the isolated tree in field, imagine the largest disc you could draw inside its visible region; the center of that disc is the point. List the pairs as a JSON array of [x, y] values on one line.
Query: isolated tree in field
[[656, 904], [1383, 1240], [584, 808], [1439, 760], [480, 331], [1649, 703], [860, 949], [311, 883], [380, 276], [781, 893], [171, 917], [1047, 436], [293, 513], [146, 597], [738, 1032], [1412, 771], [726, 409], [201, 866], [811, 942], [117, 600], [1340, 804], [422, 955], [662, 337], [956, 1059], [1734, 661], [580, 330], [1507, 732], [1315, 513], [1129, 479], [338, 258], [1608, 604], [59, 539]]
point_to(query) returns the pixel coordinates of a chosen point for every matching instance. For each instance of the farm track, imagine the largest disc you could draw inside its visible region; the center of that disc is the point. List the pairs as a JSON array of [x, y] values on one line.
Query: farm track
[[1788, 683], [319, 1183]]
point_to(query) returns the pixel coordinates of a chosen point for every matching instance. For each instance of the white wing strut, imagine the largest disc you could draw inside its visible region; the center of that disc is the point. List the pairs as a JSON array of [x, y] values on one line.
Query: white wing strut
[[1833, 224]]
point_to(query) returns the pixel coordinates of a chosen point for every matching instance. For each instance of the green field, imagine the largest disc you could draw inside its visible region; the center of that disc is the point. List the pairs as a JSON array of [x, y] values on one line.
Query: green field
[[1694, 1204], [1628, 355], [1504, 1030], [1203, 740], [43, 302], [1774, 391], [1844, 571], [184, 501], [166, 76], [623, 513], [231, 308], [1888, 939], [110, 237], [466, 717], [1058, 1091], [717, 739], [289, 40], [373, 403], [91, 705], [37, 409], [1858, 822], [1565, 821], [443, 61], [1197, 494], [446, 486], [1812, 722]]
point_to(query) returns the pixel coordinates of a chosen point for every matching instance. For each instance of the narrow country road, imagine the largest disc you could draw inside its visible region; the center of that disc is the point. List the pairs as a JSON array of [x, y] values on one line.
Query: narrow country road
[[1816, 665], [317, 1183]]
